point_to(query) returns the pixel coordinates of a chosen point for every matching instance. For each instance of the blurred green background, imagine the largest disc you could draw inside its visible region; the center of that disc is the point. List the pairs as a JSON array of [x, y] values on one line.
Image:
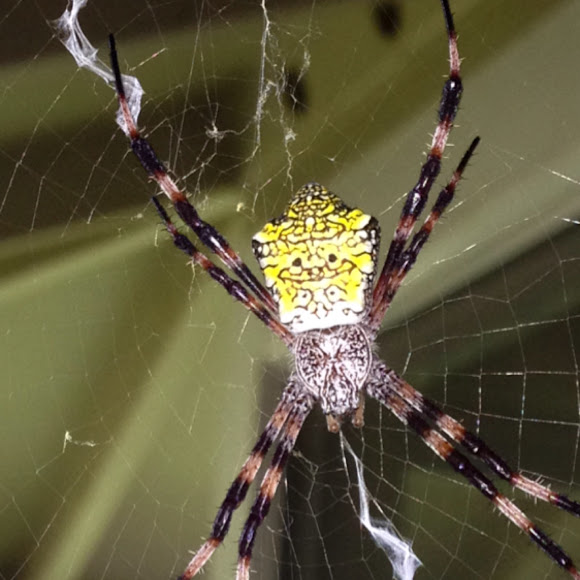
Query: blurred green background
[[133, 388]]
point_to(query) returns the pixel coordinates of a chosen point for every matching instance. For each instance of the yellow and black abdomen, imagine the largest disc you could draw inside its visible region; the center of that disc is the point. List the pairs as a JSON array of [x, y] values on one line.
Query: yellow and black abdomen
[[319, 260]]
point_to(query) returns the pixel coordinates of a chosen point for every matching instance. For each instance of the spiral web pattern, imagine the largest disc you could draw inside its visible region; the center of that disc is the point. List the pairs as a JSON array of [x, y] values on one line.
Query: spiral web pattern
[[123, 425]]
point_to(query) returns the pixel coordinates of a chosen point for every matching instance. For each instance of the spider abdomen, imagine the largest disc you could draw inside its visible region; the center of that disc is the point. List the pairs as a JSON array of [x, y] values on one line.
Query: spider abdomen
[[333, 364], [319, 260]]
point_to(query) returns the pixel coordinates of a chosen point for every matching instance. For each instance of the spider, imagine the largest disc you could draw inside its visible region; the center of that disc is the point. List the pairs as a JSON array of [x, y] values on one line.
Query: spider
[[322, 298]]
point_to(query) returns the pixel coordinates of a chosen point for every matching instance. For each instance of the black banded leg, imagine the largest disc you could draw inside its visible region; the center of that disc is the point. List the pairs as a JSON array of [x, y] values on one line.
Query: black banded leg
[[443, 449], [154, 167], [269, 485], [232, 287], [237, 491], [474, 444], [408, 257], [417, 197]]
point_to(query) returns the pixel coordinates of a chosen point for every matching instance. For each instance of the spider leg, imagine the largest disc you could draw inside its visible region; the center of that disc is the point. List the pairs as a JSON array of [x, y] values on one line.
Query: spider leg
[[383, 392], [209, 236], [408, 257], [301, 408], [474, 444], [239, 488], [232, 287], [417, 197]]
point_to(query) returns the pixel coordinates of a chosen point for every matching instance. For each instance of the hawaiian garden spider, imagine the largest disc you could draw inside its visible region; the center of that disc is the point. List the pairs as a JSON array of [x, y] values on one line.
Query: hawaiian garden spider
[[319, 262]]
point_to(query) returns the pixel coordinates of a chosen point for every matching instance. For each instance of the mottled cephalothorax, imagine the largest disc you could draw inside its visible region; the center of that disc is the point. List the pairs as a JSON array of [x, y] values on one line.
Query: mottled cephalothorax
[[319, 260], [333, 364]]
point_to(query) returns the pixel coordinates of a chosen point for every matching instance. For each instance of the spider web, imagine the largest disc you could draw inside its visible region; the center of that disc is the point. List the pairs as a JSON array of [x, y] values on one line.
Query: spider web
[[133, 388]]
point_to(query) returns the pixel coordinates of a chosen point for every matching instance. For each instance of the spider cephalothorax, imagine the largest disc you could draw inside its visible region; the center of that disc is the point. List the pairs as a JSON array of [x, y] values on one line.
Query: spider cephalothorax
[[333, 364], [321, 298]]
